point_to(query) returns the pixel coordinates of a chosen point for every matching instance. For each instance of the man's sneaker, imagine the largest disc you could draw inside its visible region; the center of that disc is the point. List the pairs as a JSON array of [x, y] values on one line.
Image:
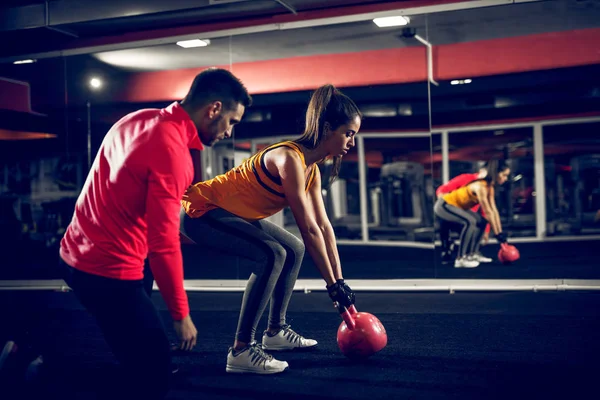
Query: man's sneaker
[[286, 339], [446, 257], [466, 262], [481, 258], [9, 349], [34, 369], [253, 360]]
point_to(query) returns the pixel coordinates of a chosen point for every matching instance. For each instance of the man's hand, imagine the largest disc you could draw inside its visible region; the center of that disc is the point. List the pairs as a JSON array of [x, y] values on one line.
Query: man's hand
[[186, 333]]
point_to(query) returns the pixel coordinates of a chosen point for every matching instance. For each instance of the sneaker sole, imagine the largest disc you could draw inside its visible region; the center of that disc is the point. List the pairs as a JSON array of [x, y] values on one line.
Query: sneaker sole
[[306, 348], [242, 370]]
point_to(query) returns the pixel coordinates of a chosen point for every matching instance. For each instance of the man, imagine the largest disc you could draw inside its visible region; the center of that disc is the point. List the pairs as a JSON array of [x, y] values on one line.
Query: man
[[451, 185], [128, 211]]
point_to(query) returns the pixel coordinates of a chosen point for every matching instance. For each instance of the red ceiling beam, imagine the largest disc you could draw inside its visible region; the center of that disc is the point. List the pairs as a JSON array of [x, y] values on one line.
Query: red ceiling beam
[[389, 66], [518, 54]]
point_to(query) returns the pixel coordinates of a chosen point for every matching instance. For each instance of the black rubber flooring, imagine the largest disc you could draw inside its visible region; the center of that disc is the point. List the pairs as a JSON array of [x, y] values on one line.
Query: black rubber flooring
[[440, 346]]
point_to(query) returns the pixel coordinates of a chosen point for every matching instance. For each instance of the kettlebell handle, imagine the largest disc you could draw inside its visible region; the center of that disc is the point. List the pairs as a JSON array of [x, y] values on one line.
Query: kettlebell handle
[[347, 315]]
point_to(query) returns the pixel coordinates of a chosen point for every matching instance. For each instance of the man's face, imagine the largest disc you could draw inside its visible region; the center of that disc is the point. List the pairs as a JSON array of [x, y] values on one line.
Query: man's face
[[216, 122]]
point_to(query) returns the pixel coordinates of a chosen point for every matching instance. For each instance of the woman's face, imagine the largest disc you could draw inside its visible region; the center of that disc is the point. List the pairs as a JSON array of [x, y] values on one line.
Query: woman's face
[[503, 176], [340, 141]]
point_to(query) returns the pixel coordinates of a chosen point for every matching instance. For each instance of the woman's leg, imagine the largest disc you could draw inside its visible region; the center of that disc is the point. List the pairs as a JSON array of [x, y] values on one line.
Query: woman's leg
[[227, 232], [480, 224], [454, 214], [284, 288], [279, 335]]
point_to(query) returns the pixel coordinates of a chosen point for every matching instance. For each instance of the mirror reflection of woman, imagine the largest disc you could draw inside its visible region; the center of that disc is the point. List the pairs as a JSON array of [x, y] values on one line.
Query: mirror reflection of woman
[[455, 207]]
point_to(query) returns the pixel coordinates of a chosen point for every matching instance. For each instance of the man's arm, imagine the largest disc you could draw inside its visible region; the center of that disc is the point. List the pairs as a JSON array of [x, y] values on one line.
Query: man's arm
[[166, 184]]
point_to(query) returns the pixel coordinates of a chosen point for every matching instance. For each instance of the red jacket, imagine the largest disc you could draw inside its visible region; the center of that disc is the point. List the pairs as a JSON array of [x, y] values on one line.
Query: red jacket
[[129, 206], [458, 182]]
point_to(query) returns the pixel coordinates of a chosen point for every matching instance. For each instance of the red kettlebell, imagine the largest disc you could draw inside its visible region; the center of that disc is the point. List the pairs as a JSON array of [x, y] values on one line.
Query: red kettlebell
[[361, 334], [508, 253]]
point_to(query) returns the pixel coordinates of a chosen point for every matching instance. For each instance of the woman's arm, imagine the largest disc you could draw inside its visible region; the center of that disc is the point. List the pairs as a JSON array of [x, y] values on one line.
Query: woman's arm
[[482, 193], [316, 202], [292, 176], [492, 201]]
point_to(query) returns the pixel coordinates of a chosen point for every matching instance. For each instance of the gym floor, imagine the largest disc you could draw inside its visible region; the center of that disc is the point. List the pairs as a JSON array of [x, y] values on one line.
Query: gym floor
[[440, 346]]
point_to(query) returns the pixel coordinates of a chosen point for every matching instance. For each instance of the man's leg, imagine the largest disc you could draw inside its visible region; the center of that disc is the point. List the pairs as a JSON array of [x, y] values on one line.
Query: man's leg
[[132, 328]]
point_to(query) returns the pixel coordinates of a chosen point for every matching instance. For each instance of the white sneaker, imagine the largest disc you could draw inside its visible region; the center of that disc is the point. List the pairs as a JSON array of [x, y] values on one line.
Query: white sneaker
[[9, 349], [481, 258], [466, 262], [286, 339], [254, 360]]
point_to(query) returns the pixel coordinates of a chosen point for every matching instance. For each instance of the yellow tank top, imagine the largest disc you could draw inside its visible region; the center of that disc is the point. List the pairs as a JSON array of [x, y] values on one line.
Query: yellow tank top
[[462, 197], [248, 190]]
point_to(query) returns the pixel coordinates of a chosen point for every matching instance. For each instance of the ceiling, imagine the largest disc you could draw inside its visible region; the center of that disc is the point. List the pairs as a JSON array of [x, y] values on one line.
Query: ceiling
[[90, 32], [438, 28], [56, 25]]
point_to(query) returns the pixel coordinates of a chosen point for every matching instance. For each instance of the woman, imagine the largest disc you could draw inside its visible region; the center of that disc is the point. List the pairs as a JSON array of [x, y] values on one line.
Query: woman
[[227, 213], [455, 207]]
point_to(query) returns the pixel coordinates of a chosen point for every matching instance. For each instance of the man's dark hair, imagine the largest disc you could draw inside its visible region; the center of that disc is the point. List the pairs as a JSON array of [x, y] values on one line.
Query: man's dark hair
[[216, 84]]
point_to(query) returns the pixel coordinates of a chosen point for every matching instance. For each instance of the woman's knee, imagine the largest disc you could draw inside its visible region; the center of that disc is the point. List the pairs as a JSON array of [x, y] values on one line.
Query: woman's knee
[[298, 248], [273, 260]]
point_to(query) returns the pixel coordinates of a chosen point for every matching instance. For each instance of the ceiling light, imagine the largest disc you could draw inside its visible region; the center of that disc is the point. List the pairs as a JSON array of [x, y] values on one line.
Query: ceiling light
[[391, 21], [24, 62], [460, 81], [186, 44], [95, 83]]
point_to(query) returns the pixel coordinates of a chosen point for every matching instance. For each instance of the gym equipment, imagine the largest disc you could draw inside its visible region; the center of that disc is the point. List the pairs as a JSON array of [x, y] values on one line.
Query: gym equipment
[[400, 204], [361, 334], [508, 253]]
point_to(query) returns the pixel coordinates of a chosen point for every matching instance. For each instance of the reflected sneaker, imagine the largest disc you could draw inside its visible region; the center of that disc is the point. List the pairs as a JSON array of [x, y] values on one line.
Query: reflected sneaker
[[286, 339], [7, 356], [446, 257], [253, 360], [481, 258], [466, 262]]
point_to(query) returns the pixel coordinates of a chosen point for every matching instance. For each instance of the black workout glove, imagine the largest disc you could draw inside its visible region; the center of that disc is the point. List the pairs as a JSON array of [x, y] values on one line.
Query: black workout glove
[[341, 293], [348, 290], [501, 237]]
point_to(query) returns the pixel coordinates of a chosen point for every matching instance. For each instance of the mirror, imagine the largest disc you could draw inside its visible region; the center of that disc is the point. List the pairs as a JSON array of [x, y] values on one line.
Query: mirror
[[40, 173], [523, 91]]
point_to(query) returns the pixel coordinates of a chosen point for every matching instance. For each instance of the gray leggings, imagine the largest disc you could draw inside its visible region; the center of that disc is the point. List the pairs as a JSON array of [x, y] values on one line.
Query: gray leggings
[[473, 225], [274, 255]]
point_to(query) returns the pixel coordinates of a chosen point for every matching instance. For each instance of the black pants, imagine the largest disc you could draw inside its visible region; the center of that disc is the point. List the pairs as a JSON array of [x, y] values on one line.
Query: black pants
[[132, 328], [473, 226], [273, 254]]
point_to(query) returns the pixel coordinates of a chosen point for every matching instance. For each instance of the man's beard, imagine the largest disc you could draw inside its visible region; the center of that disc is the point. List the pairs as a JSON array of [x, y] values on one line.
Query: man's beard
[[213, 127]]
